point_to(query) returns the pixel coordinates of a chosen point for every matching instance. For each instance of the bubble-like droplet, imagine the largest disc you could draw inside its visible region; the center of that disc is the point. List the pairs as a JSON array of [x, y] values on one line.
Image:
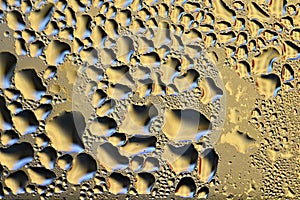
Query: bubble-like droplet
[[103, 126], [203, 192], [43, 111], [208, 162], [118, 183], [8, 63], [211, 92], [41, 176], [144, 182], [17, 182], [5, 116], [136, 163], [30, 84], [125, 49], [36, 48], [151, 164], [48, 157], [106, 108], [287, 73], [118, 91], [263, 63], [40, 18], [119, 75], [56, 52], [83, 168], [139, 145], [139, 119], [25, 122], [110, 157], [64, 133], [187, 124], [186, 187], [15, 20], [9, 137], [42, 140], [16, 156], [83, 26], [181, 159], [268, 85], [117, 139], [65, 161]]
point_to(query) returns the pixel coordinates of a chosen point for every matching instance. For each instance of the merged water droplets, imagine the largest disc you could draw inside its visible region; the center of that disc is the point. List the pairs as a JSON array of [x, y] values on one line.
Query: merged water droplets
[[25, 122], [144, 182], [56, 51], [8, 63], [5, 116], [186, 187], [16, 155], [83, 168], [100, 99], [41, 176], [118, 183], [17, 182], [110, 157], [183, 125], [29, 84], [122, 100], [69, 132]]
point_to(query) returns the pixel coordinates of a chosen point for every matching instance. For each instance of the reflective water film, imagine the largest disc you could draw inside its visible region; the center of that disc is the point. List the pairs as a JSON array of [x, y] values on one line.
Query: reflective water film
[[154, 99]]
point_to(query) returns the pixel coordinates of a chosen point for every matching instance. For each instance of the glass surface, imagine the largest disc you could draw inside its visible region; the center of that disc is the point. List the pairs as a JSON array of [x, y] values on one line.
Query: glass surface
[[132, 99]]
